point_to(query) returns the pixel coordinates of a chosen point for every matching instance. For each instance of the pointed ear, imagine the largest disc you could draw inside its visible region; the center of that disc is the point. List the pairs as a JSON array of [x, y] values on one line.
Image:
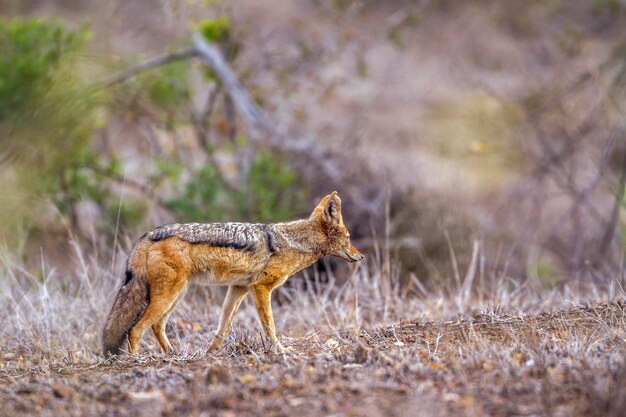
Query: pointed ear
[[319, 209], [332, 209]]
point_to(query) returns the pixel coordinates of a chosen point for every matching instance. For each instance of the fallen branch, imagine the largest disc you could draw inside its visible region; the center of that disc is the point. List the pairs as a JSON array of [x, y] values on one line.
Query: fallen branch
[[257, 122], [253, 117]]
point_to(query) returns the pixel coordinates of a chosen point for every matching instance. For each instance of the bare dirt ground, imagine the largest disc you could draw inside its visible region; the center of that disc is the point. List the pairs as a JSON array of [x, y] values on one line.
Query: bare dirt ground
[[568, 362]]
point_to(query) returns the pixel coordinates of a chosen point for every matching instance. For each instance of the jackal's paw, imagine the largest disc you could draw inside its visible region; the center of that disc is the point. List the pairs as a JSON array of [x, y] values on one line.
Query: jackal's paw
[[215, 345], [173, 352], [283, 349]]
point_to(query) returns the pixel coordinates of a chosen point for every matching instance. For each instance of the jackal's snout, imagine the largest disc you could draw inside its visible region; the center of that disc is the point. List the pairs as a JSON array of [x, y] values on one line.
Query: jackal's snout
[[353, 254]]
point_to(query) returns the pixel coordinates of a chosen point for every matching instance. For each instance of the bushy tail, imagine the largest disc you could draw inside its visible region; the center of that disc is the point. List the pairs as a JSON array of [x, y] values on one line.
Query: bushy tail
[[129, 305]]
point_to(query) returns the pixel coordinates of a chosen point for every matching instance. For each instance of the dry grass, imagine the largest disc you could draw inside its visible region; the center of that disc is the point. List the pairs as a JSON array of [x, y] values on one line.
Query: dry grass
[[484, 345]]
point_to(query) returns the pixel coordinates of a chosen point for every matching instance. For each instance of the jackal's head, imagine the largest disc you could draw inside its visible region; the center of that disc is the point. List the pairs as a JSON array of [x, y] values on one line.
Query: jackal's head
[[328, 214]]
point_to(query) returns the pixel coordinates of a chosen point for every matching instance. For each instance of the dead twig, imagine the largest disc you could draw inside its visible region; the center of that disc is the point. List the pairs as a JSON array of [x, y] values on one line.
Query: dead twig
[[612, 224], [149, 64], [144, 189]]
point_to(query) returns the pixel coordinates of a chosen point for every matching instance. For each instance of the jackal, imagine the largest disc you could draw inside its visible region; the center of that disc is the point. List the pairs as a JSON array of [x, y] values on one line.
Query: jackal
[[248, 258]]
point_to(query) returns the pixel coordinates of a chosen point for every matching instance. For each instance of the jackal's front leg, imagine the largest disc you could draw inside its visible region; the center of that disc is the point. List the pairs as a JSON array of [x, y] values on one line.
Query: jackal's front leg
[[234, 297], [263, 301]]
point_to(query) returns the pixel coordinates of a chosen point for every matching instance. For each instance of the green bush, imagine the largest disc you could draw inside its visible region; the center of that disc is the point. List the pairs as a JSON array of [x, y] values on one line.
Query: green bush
[[269, 193], [216, 30], [50, 115], [31, 53], [46, 117], [273, 192], [199, 200]]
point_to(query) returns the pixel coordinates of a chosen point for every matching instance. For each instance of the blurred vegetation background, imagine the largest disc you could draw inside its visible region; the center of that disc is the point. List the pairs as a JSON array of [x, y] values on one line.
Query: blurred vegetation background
[[448, 123]]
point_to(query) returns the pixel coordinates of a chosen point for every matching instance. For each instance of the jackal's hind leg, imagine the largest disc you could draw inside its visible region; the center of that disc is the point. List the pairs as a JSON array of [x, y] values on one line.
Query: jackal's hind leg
[[158, 328], [163, 294], [234, 297]]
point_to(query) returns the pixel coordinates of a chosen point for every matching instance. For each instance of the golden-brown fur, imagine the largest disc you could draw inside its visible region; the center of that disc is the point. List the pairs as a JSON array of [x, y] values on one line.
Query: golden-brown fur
[[247, 257]]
